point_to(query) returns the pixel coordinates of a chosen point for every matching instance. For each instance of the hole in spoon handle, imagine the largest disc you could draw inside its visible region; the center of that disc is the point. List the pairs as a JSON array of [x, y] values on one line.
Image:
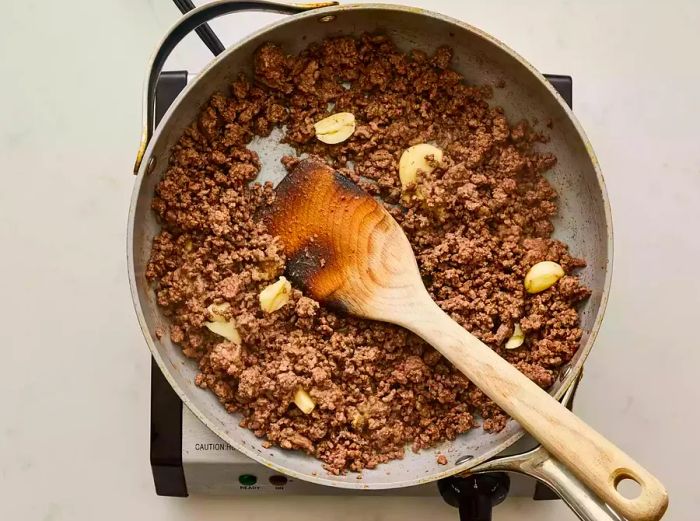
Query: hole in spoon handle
[[637, 495]]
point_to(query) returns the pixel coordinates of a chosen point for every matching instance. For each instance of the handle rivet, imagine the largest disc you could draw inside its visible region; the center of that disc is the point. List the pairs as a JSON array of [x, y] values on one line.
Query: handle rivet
[[327, 18], [151, 165], [464, 459], [565, 373]]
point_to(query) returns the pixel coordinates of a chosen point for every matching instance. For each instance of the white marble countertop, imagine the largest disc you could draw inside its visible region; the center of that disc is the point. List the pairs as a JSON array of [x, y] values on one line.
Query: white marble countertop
[[74, 433]]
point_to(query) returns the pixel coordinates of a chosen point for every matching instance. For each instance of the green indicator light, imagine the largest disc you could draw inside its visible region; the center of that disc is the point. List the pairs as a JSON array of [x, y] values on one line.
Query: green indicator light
[[247, 480]]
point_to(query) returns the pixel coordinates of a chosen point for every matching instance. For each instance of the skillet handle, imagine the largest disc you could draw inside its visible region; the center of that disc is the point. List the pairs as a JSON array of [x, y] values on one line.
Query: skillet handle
[[538, 464], [182, 28]]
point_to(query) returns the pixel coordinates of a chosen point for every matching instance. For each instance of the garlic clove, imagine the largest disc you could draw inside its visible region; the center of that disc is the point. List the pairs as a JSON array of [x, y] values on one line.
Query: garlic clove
[[542, 276], [516, 339], [218, 311], [276, 295], [358, 421], [335, 128], [414, 159], [225, 329], [303, 400]]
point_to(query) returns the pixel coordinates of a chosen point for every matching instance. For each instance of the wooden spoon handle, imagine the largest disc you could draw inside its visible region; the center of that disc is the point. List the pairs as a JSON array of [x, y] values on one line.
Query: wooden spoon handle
[[592, 458]]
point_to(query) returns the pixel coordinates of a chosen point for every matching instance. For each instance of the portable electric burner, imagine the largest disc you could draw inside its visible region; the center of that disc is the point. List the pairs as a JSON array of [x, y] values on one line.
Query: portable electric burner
[[187, 458]]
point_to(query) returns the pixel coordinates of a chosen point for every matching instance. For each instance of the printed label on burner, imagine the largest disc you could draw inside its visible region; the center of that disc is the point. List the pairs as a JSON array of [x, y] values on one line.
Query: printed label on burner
[[213, 446]]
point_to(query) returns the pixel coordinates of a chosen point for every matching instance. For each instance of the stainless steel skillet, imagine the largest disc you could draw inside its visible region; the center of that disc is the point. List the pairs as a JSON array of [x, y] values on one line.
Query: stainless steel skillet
[[584, 220]]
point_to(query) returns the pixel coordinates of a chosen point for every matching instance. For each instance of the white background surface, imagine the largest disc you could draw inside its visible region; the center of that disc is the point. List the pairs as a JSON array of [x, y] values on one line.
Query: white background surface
[[74, 422]]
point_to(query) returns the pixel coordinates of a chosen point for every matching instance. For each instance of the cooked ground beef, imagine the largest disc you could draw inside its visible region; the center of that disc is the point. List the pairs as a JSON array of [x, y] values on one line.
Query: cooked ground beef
[[481, 221]]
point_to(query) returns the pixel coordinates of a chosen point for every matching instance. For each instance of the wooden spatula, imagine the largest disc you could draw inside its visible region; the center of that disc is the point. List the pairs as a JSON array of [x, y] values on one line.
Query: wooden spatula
[[345, 250]]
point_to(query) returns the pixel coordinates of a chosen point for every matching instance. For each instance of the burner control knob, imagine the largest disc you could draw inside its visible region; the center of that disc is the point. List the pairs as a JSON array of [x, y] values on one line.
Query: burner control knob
[[475, 495]]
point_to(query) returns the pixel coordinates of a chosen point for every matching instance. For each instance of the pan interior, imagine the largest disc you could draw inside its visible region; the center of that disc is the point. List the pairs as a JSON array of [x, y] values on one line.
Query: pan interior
[[583, 220]]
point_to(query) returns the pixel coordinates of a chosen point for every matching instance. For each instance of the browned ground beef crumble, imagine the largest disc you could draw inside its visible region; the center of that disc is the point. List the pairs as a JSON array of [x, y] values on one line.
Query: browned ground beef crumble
[[483, 220]]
